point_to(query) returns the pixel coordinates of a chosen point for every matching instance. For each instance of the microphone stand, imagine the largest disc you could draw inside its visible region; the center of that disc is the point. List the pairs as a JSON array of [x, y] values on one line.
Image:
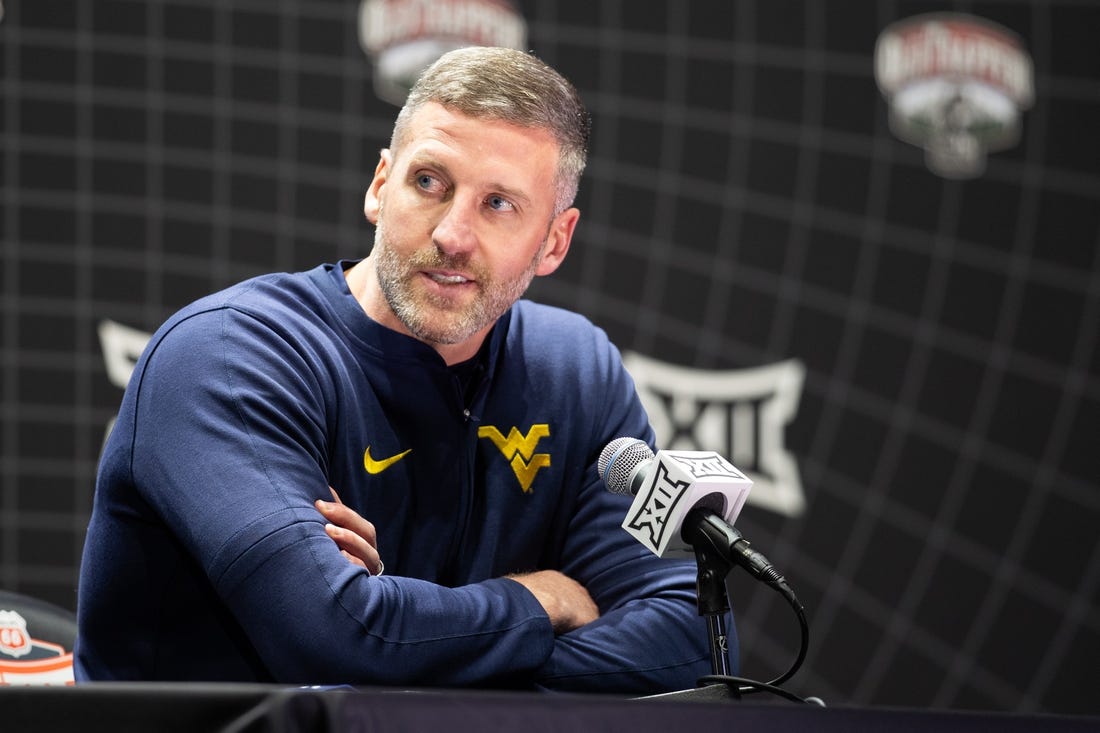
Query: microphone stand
[[714, 563], [713, 601], [718, 547]]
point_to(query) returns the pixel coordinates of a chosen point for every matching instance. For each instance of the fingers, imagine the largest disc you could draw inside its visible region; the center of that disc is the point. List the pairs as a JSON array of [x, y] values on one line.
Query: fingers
[[344, 516], [354, 536], [355, 549]]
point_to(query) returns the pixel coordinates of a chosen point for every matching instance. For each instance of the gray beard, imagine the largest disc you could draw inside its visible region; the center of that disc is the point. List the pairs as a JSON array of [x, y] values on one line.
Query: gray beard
[[457, 325]]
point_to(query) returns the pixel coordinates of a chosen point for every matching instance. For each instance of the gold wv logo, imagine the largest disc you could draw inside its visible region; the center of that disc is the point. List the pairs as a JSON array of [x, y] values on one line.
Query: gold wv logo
[[519, 450]]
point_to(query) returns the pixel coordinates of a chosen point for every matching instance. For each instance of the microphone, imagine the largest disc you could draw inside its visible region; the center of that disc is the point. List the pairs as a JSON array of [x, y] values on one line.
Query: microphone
[[685, 503], [682, 499], [666, 487]]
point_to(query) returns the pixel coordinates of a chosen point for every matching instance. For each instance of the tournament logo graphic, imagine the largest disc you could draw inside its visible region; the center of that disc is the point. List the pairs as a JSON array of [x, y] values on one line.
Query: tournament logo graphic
[[403, 37], [14, 640], [739, 414], [956, 85], [25, 660]]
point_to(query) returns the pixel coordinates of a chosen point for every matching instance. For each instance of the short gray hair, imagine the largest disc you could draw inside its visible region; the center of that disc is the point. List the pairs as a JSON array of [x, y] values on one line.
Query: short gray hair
[[511, 86]]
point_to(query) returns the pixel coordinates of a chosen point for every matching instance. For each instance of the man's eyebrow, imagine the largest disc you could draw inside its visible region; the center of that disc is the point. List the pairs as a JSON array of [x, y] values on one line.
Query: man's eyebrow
[[512, 193], [419, 160]]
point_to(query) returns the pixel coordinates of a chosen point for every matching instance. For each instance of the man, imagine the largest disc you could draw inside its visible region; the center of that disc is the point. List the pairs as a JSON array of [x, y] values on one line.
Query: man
[[459, 427]]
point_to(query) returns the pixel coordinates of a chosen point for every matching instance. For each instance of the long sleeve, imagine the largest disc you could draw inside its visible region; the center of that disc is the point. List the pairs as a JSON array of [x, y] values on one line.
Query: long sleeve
[[248, 405], [225, 442], [650, 637]]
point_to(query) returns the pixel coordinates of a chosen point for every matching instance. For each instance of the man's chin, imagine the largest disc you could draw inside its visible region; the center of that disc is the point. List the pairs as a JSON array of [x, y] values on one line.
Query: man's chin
[[436, 326]]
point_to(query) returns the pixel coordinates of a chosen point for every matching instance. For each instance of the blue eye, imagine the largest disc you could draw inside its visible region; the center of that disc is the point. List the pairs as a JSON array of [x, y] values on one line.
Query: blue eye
[[499, 203]]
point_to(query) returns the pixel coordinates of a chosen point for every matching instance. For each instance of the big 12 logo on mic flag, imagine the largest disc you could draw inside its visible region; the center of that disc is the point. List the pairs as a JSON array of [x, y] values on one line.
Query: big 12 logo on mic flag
[[404, 37], [677, 483]]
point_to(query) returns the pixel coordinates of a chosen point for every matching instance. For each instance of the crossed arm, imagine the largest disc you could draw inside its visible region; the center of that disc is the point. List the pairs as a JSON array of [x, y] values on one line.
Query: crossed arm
[[565, 601]]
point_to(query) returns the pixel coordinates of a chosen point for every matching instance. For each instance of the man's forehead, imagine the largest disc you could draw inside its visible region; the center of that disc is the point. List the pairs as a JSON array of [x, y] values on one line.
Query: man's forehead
[[437, 120], [526, 157]]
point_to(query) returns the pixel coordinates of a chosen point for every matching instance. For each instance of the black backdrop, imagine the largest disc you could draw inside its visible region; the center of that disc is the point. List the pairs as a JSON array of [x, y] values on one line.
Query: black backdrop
[[745, 204]]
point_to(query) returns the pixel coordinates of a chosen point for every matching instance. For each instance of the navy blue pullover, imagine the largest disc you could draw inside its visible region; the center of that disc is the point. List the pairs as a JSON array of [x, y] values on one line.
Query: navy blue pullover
[[206, 559]]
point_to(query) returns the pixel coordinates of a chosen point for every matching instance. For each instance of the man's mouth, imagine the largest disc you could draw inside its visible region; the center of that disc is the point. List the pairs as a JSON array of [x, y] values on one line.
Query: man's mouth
[[445, 278]]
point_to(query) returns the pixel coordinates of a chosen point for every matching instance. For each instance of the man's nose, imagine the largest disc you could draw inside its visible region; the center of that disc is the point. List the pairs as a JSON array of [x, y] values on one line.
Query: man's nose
[[456, 232]]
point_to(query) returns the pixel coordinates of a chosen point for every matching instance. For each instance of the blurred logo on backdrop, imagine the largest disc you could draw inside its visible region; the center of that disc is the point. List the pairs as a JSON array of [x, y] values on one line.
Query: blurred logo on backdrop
[[122, 347], [956, 85], [403, 37], [740, 414]]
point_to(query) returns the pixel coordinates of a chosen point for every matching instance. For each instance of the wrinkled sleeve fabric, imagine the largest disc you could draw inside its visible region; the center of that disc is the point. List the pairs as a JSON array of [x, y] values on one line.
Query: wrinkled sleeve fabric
[[649, 637], [229, 449]]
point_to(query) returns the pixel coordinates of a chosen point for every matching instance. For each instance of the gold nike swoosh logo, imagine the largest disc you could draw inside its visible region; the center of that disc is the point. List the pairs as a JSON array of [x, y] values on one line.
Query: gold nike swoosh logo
[[375, 467]]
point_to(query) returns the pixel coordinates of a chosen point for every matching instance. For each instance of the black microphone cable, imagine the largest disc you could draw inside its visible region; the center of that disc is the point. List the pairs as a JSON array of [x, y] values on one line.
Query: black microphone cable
[[765, 572], [623, 465]]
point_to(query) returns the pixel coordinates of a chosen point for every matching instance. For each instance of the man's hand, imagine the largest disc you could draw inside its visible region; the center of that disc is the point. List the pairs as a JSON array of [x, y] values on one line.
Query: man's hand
[[355, 536], [564, 599]]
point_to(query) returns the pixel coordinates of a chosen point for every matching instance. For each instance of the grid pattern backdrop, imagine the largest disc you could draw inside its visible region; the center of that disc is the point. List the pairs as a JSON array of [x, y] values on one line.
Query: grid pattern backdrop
[[745, 204]]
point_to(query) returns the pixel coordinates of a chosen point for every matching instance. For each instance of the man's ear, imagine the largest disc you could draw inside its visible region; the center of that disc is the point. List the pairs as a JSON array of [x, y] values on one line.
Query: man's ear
[[372, 202], [557, 240]]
